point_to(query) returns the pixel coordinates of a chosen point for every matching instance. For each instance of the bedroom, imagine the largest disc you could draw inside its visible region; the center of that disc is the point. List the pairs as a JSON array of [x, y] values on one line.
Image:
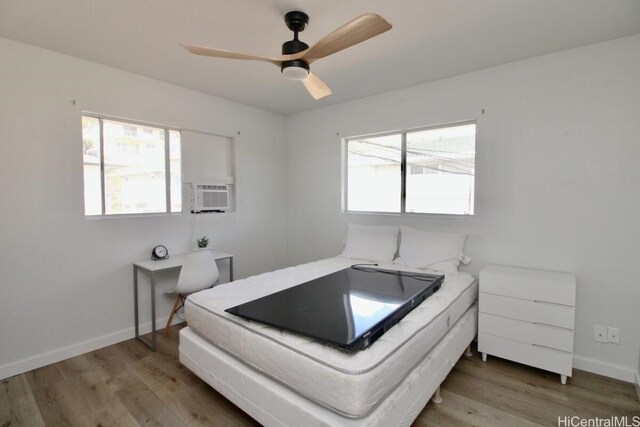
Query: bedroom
[[552, 88]]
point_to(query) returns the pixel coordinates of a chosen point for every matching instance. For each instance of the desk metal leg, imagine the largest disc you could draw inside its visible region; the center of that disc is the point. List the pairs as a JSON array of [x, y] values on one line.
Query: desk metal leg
[[231, 269], [152, 345], [153, 311], [135, 299]]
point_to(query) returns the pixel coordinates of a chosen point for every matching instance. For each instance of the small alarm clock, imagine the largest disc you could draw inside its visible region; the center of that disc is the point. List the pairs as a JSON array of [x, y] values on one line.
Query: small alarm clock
[[159, 252]]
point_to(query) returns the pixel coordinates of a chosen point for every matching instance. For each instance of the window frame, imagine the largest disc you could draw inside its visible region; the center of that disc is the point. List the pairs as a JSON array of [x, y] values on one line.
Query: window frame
[[167, 166], [403, 170]]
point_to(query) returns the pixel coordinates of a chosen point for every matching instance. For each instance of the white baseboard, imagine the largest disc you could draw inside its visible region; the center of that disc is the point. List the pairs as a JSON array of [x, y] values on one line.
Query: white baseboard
[[603, 368], [35, 362]]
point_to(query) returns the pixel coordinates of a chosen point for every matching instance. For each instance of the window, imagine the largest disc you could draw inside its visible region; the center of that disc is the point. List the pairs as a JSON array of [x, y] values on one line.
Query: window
[[129, 168], [441, 171]]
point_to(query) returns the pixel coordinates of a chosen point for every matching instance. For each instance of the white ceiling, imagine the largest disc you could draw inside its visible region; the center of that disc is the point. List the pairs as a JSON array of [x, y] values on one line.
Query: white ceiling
[[431, 39]]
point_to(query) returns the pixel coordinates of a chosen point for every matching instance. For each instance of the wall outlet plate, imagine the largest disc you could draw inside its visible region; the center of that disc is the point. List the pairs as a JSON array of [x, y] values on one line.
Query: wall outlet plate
[[613, 335], [600, 333]]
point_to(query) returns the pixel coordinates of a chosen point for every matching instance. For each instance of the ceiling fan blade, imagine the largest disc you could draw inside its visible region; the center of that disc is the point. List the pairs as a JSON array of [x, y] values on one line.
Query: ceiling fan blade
[[360, 29], [316, 87], [219, 53]]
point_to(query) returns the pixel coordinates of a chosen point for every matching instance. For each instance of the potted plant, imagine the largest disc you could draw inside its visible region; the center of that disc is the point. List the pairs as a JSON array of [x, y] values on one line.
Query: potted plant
[[204, 242]]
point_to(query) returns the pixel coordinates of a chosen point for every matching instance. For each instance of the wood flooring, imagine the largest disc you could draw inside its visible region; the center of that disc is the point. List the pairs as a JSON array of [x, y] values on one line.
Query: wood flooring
[[128, 385]]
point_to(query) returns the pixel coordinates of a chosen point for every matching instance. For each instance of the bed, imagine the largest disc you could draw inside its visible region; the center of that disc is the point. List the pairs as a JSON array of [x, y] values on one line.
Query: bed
[[281, 378]]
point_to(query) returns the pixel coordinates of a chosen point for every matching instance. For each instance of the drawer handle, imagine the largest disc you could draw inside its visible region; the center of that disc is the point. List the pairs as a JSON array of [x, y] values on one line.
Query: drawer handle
[[552, 326], [551, 348], [537, 301]]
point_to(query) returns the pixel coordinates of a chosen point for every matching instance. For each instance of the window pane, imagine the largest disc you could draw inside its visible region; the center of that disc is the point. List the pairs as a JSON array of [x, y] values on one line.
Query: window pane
[[441, 170], [91, 161], [175, 157], [373, 174], [134, 168]]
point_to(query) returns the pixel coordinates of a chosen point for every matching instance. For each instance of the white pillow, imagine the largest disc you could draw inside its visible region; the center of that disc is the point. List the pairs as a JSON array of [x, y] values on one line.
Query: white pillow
[[426, 249], [373, 243]]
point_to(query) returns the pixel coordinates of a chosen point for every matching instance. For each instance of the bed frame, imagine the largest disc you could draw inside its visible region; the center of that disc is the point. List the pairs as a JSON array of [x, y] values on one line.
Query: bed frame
[[273, 404]]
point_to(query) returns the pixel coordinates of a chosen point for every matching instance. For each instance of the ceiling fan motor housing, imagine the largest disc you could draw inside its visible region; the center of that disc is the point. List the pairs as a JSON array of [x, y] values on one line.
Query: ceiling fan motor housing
[[296, 21], [293, 46]]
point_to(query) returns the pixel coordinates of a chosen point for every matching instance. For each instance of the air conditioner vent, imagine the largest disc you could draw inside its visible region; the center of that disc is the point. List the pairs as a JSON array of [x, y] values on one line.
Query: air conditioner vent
[[209, 198], [212, 187]]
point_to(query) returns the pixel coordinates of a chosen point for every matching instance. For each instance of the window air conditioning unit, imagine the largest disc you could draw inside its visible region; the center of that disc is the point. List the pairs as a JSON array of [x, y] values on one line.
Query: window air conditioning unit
[[209, 198]]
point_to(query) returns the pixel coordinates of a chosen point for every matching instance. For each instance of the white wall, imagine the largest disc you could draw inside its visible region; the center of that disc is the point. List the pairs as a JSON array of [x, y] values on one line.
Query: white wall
[[557, 177], [66, 281]]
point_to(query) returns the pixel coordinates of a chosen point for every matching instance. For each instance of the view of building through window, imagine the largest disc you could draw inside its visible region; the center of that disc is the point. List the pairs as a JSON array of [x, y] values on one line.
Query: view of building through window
[[374, 174], [440, 177], [446, 183], [91, 157], [128, 174]]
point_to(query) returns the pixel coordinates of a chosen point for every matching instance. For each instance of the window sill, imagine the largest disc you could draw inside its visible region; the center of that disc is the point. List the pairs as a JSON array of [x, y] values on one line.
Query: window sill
[[411, 214], [140, 215]]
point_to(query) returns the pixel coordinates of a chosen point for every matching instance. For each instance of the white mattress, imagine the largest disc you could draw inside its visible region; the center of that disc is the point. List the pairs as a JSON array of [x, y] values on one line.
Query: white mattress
[[351, 384]]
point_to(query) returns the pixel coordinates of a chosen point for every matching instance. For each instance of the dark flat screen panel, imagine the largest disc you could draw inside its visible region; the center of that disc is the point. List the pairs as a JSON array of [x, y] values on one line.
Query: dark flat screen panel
[[349, 308]]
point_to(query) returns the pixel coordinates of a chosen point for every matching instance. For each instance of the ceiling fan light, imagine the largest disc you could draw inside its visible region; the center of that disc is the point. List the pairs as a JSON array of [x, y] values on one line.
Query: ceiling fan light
[[295, 69], [295, 73]]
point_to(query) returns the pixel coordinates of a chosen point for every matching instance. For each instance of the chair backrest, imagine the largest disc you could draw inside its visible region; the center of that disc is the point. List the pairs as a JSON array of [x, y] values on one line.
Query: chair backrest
[[199, 271]]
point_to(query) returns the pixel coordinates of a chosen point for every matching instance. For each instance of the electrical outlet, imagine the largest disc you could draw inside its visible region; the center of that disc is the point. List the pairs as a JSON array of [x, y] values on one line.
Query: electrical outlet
[[600, 333], [613, 335]]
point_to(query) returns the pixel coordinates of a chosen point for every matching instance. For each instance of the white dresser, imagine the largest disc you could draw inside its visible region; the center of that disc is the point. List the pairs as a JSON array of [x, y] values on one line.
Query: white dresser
[[528, 316]]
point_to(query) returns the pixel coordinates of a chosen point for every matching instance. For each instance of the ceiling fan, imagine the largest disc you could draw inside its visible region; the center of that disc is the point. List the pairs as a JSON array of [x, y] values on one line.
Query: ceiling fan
[[297, 56]]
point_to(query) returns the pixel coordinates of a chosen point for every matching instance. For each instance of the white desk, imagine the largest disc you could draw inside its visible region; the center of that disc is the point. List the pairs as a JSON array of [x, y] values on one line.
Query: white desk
[[152, 267]]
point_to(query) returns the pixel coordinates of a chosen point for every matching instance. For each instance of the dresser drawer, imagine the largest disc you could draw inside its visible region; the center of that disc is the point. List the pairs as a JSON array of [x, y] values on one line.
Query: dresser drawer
[[529, 284], [530, 311], [529, 354], [527, 332]]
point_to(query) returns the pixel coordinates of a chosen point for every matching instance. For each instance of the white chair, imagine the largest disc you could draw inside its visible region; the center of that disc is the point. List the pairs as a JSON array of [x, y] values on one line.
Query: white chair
[[199, 271]]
